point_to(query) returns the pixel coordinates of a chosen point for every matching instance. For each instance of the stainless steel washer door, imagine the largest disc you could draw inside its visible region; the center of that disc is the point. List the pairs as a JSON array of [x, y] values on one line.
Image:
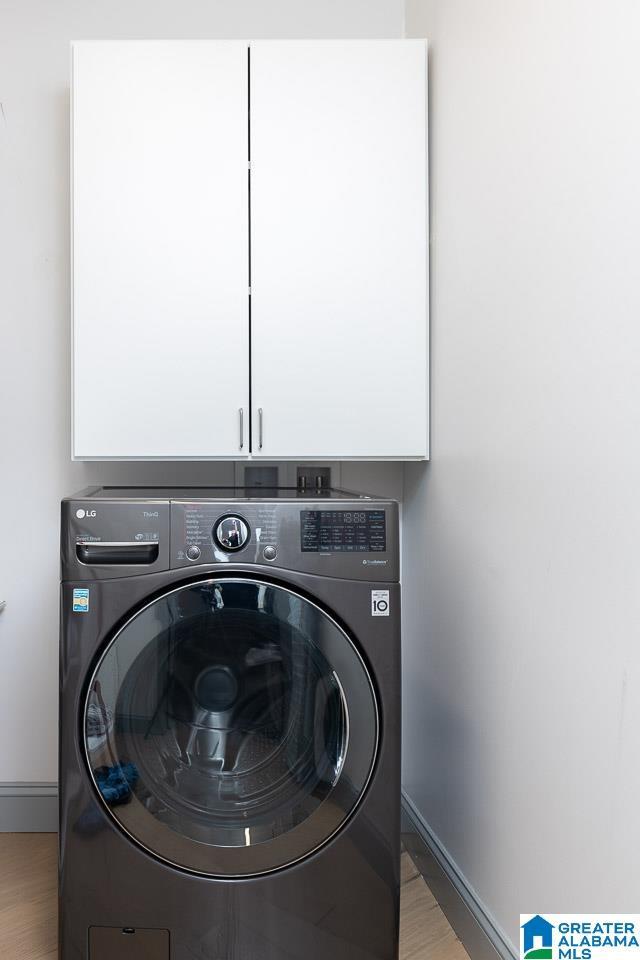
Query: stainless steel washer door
[[231, 727]]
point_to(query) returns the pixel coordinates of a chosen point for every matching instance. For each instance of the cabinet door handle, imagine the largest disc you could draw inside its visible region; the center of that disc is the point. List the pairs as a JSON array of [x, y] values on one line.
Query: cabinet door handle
[[260, 432], [241, 412]]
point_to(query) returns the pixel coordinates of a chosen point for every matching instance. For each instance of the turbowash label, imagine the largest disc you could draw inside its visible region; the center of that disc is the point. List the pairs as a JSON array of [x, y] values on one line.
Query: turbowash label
[[579, 936]]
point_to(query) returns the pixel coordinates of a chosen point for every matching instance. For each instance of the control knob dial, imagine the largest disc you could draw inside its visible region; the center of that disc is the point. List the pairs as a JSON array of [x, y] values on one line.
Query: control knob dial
[[231, 533]]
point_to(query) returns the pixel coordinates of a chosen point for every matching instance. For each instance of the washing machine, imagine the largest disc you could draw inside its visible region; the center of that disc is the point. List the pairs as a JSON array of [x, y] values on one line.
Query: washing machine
[[229, 725]]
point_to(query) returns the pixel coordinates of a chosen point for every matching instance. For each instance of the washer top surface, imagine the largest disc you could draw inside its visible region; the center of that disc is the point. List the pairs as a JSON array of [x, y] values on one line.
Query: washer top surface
[[224, 494]]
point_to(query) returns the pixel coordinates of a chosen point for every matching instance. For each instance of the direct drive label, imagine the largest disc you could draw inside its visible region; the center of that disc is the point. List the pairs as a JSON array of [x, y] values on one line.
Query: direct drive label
[[379, 603], [80, 600]]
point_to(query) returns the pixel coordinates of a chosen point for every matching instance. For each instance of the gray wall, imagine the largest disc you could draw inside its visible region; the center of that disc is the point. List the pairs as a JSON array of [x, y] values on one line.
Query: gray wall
[[35, 469], [521, 549]]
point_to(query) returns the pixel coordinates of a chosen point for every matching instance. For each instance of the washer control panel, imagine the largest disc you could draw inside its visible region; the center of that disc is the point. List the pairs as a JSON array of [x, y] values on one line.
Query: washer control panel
[[118, 532], [310, 537]]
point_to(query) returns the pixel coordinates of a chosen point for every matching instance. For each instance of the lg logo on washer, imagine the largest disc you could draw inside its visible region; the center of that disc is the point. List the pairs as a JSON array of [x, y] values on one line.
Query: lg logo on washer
[[81, 514]]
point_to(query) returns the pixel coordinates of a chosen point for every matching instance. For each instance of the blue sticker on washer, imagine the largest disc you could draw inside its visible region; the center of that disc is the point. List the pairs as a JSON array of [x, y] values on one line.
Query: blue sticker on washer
[[80, 600]]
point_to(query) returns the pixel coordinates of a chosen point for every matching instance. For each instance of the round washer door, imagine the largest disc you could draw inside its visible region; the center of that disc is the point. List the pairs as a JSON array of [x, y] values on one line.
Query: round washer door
[[231, 727]]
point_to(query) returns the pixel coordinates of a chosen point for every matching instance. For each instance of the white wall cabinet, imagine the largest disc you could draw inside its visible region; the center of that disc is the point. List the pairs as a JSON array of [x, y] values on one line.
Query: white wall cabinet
[[160, 239], [339, 255], [275, 308]]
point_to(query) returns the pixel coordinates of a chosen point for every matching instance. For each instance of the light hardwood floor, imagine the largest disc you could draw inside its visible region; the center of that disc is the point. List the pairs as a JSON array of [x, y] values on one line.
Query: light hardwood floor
[[28, 905]]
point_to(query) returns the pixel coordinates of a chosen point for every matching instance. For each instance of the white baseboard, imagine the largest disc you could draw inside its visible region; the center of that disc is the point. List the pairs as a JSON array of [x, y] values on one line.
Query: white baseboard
[[28, 807], [481, 935]]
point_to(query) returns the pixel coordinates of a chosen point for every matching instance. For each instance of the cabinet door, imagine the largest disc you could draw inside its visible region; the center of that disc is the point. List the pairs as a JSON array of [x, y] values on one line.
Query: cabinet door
[[339, 248], [160, 240]]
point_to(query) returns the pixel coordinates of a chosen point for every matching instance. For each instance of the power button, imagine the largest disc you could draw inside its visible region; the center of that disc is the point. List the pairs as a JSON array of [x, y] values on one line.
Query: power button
[[193, 552], [269, 553]]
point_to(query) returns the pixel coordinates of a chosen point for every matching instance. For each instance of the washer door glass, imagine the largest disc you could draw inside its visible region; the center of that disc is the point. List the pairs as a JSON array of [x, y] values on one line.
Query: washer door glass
[[231, 727]]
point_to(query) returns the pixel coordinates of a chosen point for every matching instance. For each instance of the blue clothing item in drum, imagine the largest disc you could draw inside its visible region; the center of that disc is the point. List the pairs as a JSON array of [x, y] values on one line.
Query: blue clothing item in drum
[[116, 783]]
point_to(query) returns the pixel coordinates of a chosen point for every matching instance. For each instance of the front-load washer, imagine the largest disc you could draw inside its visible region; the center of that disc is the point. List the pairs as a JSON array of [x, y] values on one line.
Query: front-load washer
[[230, 725]]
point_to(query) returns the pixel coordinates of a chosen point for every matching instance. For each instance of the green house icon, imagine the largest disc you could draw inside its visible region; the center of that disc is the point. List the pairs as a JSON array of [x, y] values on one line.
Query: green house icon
[[538, 938]]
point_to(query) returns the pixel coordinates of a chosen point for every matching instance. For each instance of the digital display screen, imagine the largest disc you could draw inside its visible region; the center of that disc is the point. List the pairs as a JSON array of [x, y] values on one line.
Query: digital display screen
[[343, 531]]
